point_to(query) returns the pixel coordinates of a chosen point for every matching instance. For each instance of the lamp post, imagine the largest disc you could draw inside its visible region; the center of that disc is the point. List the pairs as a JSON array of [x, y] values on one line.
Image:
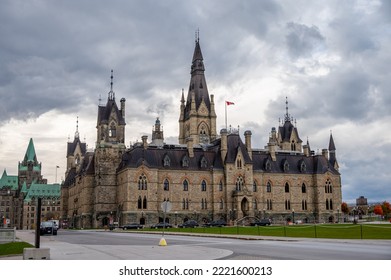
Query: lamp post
[[293, 216], [176, 216], [337, 215]]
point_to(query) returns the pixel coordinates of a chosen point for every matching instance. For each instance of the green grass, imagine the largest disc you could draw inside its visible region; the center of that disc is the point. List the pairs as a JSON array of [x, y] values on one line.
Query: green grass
[[337, 231], [13, 248]]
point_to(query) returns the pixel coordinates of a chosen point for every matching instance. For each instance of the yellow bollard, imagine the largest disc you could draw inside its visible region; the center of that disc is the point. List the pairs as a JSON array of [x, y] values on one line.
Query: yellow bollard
[[162, 242]]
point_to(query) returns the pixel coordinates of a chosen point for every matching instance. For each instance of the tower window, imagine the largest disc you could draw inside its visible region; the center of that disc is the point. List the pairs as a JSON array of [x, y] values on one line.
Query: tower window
[[185, 185], [112, 130], [142, 182], [286, 187], [303, 188], [221, 186], [268, 187], [166, 185], [255, 188], [203, 186], [239, 183]]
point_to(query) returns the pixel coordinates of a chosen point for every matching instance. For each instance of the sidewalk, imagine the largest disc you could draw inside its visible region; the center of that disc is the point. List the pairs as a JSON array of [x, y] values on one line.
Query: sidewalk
[[67, 251]]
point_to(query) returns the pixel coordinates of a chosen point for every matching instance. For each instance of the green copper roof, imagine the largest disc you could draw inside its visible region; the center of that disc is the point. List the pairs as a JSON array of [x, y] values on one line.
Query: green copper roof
[[30, 153], [46, 191], [8, 181]]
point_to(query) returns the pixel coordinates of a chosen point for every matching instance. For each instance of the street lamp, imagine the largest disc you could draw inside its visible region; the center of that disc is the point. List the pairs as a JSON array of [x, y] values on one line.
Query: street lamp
[[338, 215], [176, 216], [293, 216]]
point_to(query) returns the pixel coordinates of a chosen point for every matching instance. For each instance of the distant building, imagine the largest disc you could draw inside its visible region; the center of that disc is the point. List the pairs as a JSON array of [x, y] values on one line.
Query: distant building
[[207, 176], [19, 194]]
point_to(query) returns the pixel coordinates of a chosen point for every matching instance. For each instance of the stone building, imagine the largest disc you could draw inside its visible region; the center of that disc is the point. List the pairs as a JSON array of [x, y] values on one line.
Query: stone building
[[19, 194], [207, 176]]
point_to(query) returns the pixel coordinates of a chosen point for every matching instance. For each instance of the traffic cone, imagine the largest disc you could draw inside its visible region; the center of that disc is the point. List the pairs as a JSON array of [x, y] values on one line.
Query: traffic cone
[[162, 242]]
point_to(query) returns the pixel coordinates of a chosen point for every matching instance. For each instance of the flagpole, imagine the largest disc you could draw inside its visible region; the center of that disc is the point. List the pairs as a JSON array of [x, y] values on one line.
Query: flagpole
[[226, 125]]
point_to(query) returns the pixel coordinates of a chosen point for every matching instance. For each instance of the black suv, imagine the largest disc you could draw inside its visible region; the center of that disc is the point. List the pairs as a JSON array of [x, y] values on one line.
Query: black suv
[[263, 222], [48, 228], [189, 224]]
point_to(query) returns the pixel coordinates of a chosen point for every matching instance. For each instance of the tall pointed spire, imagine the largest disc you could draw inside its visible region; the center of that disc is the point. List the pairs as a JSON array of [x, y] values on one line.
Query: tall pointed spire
[[331, 143], [77, 127], [287, 116], [111, 92], [30, 152]]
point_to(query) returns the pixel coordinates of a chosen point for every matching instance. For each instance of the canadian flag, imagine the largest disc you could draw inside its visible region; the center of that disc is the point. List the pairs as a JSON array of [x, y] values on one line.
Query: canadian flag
[[229, 103]]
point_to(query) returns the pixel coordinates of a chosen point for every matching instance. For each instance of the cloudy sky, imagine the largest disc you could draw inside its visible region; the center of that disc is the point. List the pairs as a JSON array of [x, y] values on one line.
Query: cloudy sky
[[331, 60]]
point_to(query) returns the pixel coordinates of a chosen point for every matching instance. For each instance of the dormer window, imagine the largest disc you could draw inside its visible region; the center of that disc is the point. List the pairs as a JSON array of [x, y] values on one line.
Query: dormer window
[[268, 165], [285, 166], [204, 162], [303, 167], [166, 161], [185, 161]]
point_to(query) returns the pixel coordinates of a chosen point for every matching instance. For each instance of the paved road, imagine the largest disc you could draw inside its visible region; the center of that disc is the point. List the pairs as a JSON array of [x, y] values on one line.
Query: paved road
[[101, 245]]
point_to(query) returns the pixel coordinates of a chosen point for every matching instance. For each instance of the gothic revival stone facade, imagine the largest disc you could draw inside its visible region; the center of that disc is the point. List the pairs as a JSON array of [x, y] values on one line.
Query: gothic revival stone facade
[[205, 177]]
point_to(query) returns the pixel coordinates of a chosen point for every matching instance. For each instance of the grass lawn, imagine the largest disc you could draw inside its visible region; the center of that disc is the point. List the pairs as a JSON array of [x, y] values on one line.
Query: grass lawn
[[339, 231], [13, 248]]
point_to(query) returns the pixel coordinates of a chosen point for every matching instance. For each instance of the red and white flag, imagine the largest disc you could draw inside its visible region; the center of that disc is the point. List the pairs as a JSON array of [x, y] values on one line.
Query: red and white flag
[[229, 103]]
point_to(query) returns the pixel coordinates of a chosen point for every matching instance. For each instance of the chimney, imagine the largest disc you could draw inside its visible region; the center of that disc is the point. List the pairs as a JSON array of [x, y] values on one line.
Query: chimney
[[224, 145], [306, 150], [123, 107], [247, 136], [190, 149], [145, 138], [325, 153]]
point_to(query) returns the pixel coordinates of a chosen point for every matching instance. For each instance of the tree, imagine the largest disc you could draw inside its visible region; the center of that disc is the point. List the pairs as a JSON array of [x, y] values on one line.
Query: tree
[[386, 207], [344, 208], [378, 210]]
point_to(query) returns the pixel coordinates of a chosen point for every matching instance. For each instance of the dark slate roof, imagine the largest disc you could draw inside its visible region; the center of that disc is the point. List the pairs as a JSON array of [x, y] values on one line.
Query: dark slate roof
[[153, 157], [105, 111], [286, 131], [197, 82], [87, 168], [313, 164], [234, 143], [331, 143], [72, 146]]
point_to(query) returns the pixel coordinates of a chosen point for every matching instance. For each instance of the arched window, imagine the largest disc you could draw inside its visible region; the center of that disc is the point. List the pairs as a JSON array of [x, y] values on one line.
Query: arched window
[[304, 204], [328, 188], [239, 183], [166, 161], [145, 203], [139, 203], [112, 130], [221, 186], [239, 163], [185, 185], [293, 145], [268, 187], [203, 186], [303, 188], [183, 204], [286, 187], [255, 188], [142, 182], [327, 204], [166, 185], [269, 204], [331, 204]]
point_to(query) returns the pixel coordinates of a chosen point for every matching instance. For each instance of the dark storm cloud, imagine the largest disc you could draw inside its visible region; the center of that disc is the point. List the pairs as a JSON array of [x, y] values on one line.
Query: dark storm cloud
[[303, 40]]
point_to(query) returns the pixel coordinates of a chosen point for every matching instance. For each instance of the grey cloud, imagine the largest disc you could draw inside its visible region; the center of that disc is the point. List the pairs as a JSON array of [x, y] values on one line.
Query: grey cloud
[[302, 40]]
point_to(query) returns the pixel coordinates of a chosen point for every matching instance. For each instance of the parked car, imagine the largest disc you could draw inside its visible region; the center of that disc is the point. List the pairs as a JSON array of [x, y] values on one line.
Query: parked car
[[162, 225], [48, 228], [263, 222], [218, 223], [189, 224], [132, 226]]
